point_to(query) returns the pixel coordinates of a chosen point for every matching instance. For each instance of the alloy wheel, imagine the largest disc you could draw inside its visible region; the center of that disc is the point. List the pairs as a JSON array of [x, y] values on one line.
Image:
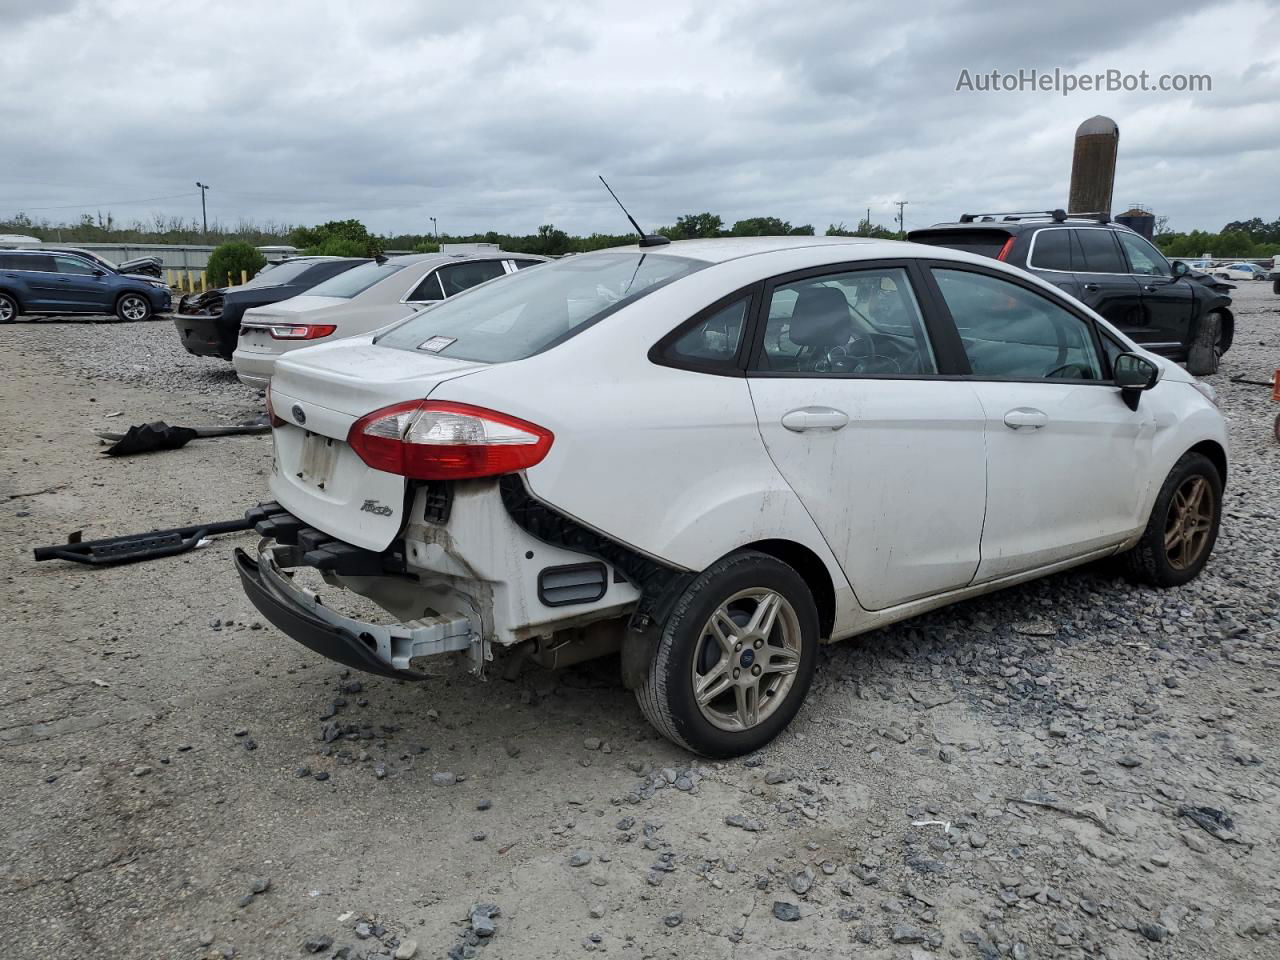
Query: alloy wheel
[[1189, 523], [7, 312], [746, 660], [133, 308]]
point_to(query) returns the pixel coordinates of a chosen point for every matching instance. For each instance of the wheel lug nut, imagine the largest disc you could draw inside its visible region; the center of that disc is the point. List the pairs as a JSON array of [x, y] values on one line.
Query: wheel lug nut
[[759, 644], [736, 672], [755, 671], [737, 647]]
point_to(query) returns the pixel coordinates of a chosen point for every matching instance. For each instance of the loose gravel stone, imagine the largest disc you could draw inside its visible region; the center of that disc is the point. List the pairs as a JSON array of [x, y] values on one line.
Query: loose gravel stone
[[787, 912]]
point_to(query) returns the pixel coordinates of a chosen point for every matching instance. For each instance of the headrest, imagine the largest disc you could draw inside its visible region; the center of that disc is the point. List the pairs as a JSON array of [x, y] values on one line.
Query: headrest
[[820, 318]]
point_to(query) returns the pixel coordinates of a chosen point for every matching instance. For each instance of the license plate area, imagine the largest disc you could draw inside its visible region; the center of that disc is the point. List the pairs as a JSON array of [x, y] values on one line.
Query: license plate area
[[256, 338], [319, 454]]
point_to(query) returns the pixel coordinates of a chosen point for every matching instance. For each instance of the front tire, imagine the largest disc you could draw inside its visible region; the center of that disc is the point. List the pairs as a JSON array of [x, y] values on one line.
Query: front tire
[[1183, 527], [133, 308], [1206, 350], [735, 658], [8, 308]]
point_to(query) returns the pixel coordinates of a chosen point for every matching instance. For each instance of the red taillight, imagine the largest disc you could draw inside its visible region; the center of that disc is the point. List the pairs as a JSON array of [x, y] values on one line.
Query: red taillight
[[1004, 251], [301, 331], [429, 440], [271, 411]]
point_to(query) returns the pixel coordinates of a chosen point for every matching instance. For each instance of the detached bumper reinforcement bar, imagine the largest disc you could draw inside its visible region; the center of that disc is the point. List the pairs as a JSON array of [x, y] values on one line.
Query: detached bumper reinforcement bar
[[374, 648]]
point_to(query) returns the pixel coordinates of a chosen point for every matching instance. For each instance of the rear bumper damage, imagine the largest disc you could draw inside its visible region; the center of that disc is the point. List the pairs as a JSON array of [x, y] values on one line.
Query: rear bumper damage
[[371, 647]]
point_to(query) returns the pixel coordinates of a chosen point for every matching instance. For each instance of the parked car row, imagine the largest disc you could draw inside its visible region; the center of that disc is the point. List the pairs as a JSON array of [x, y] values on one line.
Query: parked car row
[[712, 456], [368, 296]]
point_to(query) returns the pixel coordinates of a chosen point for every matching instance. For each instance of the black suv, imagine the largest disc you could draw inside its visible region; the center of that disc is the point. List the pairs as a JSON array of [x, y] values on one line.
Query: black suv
[[1108, 267]]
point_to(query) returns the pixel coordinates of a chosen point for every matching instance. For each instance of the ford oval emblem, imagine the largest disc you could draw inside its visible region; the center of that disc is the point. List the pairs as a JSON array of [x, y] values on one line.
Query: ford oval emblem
[[299, 414]]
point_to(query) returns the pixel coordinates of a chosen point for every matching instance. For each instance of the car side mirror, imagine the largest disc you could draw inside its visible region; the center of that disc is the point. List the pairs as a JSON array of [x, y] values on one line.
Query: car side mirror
[[99, 273], [1134, 374], [1180, 269]]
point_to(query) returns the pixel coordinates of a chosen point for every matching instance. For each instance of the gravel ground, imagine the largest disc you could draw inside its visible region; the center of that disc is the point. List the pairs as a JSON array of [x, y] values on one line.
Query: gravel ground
[[1074, 768]]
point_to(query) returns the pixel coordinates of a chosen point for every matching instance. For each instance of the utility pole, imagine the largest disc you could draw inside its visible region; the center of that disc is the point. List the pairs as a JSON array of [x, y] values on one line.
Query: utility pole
[[902, 226], [434, 229], [204, 216]]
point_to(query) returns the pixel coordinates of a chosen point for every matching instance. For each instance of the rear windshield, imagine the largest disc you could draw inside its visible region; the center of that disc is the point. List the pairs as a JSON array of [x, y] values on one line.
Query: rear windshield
[[280, 274], [356, 280], [985, 243], [522, 314]]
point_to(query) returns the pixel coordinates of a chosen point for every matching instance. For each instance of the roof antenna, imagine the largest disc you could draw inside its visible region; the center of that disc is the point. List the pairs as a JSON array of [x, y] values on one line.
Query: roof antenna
[[646, 239]]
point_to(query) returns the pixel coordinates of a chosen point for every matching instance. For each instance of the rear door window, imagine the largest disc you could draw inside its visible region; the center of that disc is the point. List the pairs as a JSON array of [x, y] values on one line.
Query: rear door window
[[859, 323], [1051, 250], [40, 263], [1101, 252], [457, 277]]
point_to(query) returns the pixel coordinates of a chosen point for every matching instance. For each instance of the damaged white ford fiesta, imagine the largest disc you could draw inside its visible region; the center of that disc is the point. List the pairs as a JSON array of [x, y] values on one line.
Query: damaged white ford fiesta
[[713, 456]]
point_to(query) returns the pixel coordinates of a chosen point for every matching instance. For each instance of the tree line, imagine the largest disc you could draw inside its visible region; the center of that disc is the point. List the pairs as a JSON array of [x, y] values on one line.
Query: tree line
[[1255, 237]]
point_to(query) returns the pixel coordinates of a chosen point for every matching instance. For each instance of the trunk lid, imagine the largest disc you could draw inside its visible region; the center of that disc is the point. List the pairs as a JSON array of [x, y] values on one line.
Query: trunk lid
[[320, 392]]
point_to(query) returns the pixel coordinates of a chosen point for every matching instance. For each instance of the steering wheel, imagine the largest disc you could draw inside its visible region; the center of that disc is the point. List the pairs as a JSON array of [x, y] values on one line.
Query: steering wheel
[[859, 355]]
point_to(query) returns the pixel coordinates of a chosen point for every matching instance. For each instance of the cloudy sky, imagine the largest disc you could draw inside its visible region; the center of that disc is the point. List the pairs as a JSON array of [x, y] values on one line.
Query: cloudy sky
[[500, 115]]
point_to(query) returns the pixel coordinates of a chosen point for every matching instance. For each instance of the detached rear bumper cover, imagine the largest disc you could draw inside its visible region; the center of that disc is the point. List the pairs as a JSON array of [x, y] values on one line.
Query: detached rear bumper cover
[[374, 648]]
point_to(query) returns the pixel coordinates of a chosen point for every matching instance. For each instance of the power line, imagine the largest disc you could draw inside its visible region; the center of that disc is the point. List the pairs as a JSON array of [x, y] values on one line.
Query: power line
[[101, 203]]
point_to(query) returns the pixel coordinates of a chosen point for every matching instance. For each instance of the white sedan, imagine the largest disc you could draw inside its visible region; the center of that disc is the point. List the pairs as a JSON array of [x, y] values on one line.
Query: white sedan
[[713, 456], [1240, 271], [362, 300]]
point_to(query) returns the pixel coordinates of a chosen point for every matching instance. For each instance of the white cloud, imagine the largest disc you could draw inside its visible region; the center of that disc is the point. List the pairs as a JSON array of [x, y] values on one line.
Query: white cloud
[[489, 116]]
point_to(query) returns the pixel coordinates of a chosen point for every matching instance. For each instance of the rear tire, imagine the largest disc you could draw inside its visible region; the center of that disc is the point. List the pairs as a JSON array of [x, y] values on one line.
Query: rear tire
[[735, 658], [133, 308], [9, 311], [1275, 286], [1183, 526]]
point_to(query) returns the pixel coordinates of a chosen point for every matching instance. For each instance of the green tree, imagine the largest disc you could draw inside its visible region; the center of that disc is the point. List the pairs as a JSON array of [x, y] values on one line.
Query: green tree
[[346, 235], [550, 242], [228, 260], [693, 226]]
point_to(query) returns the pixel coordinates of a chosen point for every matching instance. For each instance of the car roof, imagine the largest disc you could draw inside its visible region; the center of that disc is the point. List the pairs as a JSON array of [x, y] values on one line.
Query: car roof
[[413, 259], [721, 249], [821, 251]]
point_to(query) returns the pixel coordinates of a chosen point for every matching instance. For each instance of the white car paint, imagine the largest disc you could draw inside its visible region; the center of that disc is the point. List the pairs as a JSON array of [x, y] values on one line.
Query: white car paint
[[387, 301], [928, 495]]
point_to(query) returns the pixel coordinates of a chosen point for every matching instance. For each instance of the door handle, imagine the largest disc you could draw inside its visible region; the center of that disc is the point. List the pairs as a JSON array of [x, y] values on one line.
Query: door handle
[[1020, 417], [1091, 287], [1150, 288], [814, 418]]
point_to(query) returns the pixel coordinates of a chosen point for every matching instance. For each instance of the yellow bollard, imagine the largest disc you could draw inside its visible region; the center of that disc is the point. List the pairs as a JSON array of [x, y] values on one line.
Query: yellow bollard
[[229, 280], [202, 276], [244, 276], [168, 278]]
